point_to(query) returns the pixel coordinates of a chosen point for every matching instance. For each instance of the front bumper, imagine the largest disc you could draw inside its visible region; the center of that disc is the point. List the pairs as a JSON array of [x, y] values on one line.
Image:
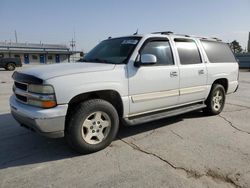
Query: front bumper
[[47, 122]]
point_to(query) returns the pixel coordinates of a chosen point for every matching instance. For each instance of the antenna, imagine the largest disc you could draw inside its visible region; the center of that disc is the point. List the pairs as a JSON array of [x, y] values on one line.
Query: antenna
[[136, 32]]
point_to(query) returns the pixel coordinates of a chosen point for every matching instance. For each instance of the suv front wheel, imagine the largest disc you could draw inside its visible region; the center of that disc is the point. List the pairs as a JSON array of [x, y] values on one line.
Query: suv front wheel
[[92, 126], [216, 100]]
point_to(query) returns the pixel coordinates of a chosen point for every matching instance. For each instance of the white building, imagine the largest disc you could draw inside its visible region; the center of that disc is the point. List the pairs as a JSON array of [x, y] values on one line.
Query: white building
[[38, 53]]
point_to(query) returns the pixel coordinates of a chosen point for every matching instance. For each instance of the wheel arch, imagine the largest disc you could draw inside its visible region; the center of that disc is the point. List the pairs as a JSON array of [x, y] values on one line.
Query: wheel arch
[[10, 62], [223, 82], [110, 96]]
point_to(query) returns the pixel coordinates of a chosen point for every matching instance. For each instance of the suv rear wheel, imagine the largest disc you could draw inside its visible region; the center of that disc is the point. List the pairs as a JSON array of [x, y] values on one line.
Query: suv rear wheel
[[10, 67], [216, 100], [92, 126]]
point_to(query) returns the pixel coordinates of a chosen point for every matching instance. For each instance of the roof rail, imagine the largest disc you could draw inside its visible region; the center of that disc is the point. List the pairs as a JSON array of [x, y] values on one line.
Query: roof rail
[[163, 32], [184, 35], [216, 39], [201, 37]]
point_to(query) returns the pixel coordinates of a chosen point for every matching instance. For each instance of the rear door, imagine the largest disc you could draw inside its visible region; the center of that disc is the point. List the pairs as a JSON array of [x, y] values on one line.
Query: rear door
[[193, 72]]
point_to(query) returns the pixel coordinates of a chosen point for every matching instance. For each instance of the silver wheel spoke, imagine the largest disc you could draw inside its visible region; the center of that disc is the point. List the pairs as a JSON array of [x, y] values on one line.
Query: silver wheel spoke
[[217, 94], [105, 124], [98, 116], [88, 137], [100, 136], [87, 123]]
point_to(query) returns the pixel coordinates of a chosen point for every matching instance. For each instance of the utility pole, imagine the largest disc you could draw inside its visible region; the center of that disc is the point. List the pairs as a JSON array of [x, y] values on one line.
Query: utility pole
[[16, 36], [248, 45], [73, 44]]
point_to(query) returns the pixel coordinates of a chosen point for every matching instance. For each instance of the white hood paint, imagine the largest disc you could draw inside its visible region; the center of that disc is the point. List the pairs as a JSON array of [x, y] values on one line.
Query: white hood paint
[[50, 71]]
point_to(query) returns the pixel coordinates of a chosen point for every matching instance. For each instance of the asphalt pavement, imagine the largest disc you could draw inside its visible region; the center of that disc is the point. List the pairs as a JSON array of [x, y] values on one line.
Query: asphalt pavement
[[190, 150]]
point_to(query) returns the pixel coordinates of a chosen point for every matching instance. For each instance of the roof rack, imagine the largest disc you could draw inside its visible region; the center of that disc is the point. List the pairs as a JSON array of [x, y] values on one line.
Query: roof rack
[[184, 35], [216, 39], [163, 32], [201, 37]]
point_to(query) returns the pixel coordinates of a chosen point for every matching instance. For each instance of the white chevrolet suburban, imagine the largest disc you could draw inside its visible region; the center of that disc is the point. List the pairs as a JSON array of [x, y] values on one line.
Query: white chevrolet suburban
[[130, 80]]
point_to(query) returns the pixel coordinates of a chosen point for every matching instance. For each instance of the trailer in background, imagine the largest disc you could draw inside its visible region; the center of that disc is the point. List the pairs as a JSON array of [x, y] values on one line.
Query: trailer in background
[[244, 60]]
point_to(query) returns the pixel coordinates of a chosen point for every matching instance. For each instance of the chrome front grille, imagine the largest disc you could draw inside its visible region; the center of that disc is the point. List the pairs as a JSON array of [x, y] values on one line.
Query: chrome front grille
[[21, 86], [21, 98], [20, 90]]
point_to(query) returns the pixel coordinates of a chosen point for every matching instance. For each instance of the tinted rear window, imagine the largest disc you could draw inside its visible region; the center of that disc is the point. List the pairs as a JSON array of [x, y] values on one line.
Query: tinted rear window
[[188, 51], [218, 52]]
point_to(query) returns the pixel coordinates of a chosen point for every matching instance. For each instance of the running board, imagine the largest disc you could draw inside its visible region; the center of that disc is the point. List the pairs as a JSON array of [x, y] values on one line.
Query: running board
[[130, 121]]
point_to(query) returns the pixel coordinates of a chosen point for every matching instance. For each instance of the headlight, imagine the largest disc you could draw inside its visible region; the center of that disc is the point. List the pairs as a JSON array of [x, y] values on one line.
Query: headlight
[[42, 89], [41, 96], [43, 104]]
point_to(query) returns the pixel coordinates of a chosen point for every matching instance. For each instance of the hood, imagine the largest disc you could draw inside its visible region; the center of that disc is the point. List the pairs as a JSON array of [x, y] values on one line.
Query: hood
[[49, 71]]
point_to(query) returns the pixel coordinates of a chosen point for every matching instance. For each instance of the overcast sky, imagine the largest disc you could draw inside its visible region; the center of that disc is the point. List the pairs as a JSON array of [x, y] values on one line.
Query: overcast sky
[[54, 21]]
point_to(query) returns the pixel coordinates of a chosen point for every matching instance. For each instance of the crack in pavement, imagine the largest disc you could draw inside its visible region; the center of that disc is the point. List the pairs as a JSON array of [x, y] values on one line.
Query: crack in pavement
[[235, 110], [177, 134], [232, 125], [147, 135], [243, 106], [189, 173]]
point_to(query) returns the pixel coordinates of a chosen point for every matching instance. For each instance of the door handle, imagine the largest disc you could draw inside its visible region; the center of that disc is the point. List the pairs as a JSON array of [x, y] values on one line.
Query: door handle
[[173, 74], [201, 71]]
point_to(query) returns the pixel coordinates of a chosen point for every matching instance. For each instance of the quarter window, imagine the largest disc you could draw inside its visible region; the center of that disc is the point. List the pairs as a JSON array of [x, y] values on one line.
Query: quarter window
[[188, 51], [218, 52], [162, 51]]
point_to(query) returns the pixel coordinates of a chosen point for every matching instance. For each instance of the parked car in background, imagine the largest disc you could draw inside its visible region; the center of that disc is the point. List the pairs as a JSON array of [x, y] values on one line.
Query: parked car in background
[[10, 63], [132, 79]]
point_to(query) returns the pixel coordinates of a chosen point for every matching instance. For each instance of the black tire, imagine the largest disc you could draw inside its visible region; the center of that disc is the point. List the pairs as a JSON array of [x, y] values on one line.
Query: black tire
[[211, 108], [10, 66], [79, 115]]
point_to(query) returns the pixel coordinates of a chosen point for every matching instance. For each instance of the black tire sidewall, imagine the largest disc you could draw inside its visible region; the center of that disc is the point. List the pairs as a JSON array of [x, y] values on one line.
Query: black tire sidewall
[[74, 130]]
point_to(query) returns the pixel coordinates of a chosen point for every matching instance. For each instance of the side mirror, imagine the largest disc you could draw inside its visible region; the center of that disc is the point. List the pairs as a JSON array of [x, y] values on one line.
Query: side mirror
[[148, 59]]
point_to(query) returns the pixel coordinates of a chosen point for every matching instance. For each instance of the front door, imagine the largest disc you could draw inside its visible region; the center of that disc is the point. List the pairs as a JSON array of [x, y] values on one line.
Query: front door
[[193, 72], [154, 87], [26, 59]]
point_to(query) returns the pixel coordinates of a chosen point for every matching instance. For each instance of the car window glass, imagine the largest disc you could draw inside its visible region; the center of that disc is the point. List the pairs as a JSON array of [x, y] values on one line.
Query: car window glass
[[162, 51], [188, 51], [218, 52]]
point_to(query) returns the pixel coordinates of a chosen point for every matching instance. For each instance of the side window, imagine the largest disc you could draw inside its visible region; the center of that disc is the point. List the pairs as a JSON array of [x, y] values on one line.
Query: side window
[[161, 49], [218, 52], [188, 51]]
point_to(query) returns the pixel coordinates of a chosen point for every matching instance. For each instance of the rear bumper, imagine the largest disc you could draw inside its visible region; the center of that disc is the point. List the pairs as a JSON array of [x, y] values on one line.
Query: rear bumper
[[232, 87], [47, 122]]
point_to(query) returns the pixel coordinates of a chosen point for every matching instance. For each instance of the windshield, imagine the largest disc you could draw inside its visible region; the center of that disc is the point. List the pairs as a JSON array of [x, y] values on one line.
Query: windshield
[[113, 51]]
